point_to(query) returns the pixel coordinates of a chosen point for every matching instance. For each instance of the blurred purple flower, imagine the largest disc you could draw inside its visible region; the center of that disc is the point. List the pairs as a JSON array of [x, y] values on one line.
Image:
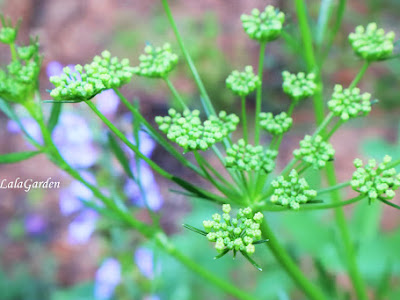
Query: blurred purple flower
[[145, 262], [152, 297], [35, 224], [107, 102], [107, 277], [70, 197], [82, 227], [73, 137], [54, 68], [31, 127]]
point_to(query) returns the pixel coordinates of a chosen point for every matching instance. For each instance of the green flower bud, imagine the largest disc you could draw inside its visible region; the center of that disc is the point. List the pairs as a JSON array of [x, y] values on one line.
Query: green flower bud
[[245, 157], [299, 86], [275, 125], [372, 43], [243, 83], [158, 62], [250, 249], [104, 72], [375, 181], [190, 133], [349, 103], [291, 192], [8, 33], [263, 26], [314, 151], [226, 208]]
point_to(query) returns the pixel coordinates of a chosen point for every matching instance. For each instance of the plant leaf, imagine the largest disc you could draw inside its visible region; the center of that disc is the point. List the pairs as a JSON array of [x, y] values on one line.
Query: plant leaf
[[15, 157], [194, 229], [251, 261], [120, 155], [54, 116]]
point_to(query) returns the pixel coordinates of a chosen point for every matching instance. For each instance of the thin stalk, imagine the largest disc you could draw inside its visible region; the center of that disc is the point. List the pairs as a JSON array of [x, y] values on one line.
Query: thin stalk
[[334, 129], [175, 92], [14, 56], [312, 291], [332, 188], [214, 171], [206, 99], [360, 75], [321, 128], [389, 203], [244, 119], [259, 93]]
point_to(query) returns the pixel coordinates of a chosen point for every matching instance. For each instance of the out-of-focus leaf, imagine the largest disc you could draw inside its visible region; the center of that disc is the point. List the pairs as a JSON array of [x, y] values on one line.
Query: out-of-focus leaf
[[10, 158]]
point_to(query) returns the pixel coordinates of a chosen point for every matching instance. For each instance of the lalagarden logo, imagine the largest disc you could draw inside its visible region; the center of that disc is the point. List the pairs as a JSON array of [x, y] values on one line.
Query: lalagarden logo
[[29, 184]]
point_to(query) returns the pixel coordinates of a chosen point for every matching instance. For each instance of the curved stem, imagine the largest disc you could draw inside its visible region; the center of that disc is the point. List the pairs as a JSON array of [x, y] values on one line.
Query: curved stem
[[321, 128], [175, 93], [360, 75], [389, 203], [312, 291], [206, 99], [259, 93], [332, 188], [244, 119]]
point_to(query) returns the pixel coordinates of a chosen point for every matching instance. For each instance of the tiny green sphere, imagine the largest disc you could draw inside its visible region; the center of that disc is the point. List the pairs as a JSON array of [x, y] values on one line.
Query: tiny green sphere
[[299, 86], [243, 83]]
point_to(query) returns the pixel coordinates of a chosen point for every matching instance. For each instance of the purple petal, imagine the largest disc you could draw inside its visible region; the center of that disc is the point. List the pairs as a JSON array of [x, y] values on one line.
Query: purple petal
[[144, 260], [81, 229], [107, 277], [80, 155], [71, 129], [107, 102]]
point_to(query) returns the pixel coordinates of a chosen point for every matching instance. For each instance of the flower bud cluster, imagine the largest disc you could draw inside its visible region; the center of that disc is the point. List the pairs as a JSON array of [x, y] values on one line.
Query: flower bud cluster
[[291, 192], [245, 157], [19, 81], [8, 33], [103, 73], [190, 133], [298, 86], [372, 43], [237, 234], [158, 62], [275, 125], [375, 181], [349, 103], [243, 83], [314, 151], [263, 26]]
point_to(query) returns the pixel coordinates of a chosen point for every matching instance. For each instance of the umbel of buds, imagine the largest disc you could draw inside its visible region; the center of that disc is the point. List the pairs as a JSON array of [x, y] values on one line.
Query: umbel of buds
[[157, 62], [349, 103], [291, 192], [245, 157], [104, 72], [263, 26], [372, 43], [314, 151], [229, 233], [375, 181], [243, 83], [8, 33], [190, 133], [275, 125], [299, 86]]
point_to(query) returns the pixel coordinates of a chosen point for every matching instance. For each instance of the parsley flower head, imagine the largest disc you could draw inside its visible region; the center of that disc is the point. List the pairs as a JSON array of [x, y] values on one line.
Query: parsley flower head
[[8, 33], [157, 62], [263, 26], [314, 151], [243, 83], [190, 133], [371, 43], [291, 192], [275, 125], [299, 86], [375, 181], [103, 73], [349, 103], [234, 233], [245, 157]]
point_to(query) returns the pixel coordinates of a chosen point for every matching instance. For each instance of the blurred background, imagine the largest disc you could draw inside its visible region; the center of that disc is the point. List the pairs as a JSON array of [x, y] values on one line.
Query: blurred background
[[51, 247]]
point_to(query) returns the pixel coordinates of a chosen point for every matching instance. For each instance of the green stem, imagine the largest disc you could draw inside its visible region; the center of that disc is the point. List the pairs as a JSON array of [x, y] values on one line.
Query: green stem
[[244, 119], [389, 203], [259, 93], [334, 129], [312, 292], [14, 56], [355, 275], [360, 75], [206, 99], [309, 56], [175, 93], [321, 128], [332, 188]]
